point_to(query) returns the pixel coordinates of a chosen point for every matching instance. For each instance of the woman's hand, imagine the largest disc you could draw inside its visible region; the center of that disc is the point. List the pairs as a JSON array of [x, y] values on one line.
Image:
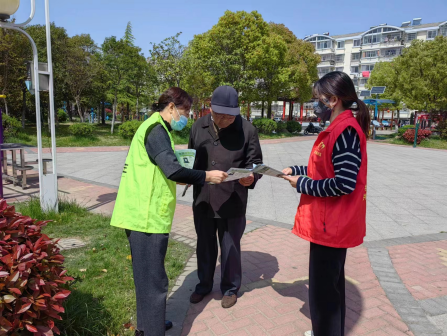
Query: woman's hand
[[292, 180], [215, 176], [287, 171], [247, 181]]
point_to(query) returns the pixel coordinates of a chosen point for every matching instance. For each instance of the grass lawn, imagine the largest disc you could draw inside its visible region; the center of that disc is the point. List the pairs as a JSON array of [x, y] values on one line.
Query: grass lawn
[[102, 302], [101, 137], [433, 142]]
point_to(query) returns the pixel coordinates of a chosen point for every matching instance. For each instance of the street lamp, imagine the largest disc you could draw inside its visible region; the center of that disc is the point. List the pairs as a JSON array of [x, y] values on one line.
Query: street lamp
[[8, 8], [48, 184]]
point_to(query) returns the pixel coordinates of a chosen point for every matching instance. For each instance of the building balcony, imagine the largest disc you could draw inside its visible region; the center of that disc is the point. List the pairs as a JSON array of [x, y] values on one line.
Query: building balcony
[[365, 60], [326, 63]]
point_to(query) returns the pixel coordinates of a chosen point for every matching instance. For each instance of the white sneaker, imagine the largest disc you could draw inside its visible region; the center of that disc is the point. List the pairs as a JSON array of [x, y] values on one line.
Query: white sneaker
[[308, 333]]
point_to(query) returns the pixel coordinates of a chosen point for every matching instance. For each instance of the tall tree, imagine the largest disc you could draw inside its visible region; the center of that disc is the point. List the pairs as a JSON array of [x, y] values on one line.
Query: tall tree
[[269, 64], [302, 62], [117, 61], [224, 50], [80, 67], [128, 36], [167, 59], [422, 80]]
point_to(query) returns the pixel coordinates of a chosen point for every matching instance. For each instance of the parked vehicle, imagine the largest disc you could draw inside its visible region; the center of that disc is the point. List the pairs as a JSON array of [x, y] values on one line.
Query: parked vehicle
[[376, 123], [277, 119], [312, 129]]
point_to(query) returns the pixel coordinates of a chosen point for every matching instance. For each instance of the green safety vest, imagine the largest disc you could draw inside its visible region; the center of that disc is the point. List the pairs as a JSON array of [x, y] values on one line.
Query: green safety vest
[[146, 199]]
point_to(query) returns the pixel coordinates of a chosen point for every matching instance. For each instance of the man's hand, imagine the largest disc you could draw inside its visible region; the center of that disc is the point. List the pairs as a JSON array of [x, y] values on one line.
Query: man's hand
[[287, 171], [247, 181], [292, 180]]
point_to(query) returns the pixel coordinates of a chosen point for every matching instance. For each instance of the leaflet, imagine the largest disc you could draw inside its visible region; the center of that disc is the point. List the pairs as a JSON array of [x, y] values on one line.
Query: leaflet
[[239, 173], [186, 157]]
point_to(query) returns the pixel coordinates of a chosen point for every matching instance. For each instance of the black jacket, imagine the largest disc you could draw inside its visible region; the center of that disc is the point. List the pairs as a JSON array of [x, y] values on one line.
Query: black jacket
[[236, 146]]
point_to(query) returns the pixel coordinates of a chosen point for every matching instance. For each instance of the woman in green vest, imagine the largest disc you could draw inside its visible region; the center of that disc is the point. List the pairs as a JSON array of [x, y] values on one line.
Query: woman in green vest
[[146, 202]]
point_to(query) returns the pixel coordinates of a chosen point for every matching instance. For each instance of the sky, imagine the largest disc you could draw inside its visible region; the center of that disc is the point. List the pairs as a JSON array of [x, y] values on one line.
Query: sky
[[154, 21]]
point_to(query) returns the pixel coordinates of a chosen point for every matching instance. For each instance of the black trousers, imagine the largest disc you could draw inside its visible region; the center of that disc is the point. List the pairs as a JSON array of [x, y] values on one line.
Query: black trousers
[[148, 252], [230, 231], [327, 290]]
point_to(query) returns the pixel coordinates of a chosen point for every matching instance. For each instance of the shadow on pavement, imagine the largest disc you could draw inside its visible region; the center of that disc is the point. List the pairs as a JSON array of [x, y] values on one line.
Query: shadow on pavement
[[259, 270]]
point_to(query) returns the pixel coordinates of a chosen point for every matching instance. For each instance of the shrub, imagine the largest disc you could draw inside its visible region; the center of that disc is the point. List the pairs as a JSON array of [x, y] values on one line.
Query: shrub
[[81, 129], [128, 128], [403, 129], [293, 126], [281, 126], [62, 116], [32, 278], [409, 135], [441, 128], [186, 131], [264, 125], [11, 126]]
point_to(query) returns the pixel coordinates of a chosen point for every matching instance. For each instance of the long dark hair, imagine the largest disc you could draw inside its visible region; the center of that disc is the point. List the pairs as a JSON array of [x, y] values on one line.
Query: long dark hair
[[339, 84], [174, 95]]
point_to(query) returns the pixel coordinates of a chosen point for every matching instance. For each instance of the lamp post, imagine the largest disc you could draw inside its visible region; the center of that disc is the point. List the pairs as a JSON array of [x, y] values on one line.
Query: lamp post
[[48, 185]]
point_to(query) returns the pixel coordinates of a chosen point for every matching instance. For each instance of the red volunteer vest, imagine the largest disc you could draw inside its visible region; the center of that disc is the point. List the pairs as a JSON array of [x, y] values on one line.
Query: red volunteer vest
[[334, 221]]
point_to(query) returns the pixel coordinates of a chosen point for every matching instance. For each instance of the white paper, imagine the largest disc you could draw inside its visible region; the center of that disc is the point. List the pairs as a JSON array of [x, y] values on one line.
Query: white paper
[[265, 170], [186, 157], [239, 173]]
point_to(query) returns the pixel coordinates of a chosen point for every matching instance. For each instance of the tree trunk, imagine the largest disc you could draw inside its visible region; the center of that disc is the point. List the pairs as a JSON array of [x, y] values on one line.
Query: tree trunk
[[269, 114], [6, 107], [114, 112], [69, 110], [78, 105], [122, 112], [248, 112], [291, 110], [128, 112], [262, 109], [23, 107], [136, 109], [103, 113]]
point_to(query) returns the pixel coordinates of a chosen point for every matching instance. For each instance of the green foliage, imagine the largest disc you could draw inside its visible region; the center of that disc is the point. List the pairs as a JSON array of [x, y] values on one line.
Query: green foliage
[[82, 129], [62, 116], [264, 125], [128, 129], [168, 62], [281, 126], [418, 77], [11, 126], [186, 131], [441, 128], [293, 126], [403, 129]]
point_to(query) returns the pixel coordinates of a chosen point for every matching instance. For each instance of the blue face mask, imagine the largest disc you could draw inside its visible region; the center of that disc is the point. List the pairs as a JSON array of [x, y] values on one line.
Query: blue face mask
[[178, 125]]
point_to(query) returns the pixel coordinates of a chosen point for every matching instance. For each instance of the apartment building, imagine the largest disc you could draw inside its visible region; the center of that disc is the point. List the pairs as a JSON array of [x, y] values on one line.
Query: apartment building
[[356, 54]]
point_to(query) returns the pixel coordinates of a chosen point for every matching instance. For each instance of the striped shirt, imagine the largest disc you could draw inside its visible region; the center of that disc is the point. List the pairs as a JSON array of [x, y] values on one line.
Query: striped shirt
[[346, 158]]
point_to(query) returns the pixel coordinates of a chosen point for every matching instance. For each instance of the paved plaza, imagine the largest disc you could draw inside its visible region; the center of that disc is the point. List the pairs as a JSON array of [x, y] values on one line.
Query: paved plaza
[[396, 281]]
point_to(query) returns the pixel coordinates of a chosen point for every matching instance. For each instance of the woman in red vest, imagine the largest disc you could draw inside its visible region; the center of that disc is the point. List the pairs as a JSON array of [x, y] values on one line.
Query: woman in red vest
[[332, 210]]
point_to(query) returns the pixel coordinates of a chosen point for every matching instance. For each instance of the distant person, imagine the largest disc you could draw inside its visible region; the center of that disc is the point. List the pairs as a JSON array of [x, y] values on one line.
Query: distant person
[[146, 202], [223, 140], [332, 210]]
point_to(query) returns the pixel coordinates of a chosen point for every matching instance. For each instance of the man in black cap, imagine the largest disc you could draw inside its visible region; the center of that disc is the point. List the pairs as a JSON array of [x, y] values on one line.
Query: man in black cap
[[222, 140]]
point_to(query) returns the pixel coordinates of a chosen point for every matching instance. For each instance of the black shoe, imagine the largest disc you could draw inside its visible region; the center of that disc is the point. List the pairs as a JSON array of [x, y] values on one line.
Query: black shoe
[[168, 325]]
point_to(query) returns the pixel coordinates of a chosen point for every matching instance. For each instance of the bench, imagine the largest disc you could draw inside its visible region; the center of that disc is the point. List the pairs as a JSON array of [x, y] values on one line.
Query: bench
[[44, 163], [23, 170]]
